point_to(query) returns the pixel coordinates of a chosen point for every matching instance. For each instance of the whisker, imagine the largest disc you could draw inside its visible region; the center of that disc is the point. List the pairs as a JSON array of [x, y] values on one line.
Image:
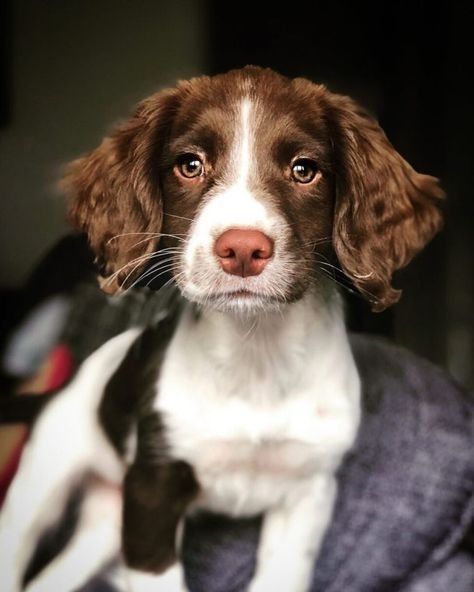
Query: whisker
[[169, 282], [152, 279], [151, 235], [176, 236], [142, 258], [330, 265], [338, 282], [359, 293], [162, 265], [137, 260], [159, 265], [116, 236], [180, 217]]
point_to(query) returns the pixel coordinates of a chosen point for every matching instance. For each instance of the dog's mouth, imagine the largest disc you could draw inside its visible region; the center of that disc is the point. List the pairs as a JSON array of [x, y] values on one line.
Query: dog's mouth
[[220, 297], [236, 294], [211, 288], [244, 296], [208, 287], [236, 300], [199, 276]]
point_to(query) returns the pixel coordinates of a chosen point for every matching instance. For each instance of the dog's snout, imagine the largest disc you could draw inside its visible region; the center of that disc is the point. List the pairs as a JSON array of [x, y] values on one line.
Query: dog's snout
[[243, 252]]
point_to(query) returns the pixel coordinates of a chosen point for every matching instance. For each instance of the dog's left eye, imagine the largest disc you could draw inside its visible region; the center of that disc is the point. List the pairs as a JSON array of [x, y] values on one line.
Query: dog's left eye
[[304, 170], [190, 166]]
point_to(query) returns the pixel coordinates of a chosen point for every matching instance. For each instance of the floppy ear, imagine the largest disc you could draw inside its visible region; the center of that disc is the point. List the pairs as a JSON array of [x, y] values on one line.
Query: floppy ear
[[115, 193], [385, 211]]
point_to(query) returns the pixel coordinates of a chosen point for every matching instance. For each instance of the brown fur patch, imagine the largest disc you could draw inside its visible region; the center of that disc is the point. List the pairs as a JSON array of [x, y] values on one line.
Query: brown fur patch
[[155, 500]]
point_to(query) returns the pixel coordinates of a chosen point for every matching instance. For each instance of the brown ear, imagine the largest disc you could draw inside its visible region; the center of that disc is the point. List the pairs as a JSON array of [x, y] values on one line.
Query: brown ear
[[385, 211], [115, 194]]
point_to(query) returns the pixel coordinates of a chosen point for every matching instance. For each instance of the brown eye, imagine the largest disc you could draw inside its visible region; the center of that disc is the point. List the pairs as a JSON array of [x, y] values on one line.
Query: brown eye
[[304, 170], [190, 166]]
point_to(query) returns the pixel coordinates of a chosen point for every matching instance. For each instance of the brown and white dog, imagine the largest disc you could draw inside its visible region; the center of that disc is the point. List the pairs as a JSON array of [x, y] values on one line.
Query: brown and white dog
[[245, 187]]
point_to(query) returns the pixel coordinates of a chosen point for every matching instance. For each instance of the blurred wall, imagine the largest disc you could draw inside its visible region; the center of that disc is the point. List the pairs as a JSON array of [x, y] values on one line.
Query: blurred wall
[[75, 67]]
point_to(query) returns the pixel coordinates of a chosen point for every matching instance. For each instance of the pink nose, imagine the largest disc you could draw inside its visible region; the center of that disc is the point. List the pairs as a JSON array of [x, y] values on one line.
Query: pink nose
[[243, 252]]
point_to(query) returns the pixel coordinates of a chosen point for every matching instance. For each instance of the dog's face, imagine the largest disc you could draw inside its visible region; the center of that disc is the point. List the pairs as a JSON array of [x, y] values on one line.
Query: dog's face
[[243, 186], [247, 166]]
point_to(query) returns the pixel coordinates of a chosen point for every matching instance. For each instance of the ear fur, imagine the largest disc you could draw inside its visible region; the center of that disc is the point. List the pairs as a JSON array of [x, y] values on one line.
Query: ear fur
[[115, 193], [385, 211]]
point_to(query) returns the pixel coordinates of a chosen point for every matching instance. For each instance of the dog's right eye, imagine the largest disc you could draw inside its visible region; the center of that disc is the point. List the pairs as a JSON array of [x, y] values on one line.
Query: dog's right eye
[[304, 170], [190, 166]]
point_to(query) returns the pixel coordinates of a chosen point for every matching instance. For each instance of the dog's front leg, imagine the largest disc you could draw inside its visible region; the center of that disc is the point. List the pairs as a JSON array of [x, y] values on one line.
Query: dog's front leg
[[155, 500], [291, 537]]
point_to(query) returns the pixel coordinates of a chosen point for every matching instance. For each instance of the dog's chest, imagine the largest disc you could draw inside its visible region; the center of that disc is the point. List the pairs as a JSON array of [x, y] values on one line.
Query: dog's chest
[[246, 455], [252, 428]]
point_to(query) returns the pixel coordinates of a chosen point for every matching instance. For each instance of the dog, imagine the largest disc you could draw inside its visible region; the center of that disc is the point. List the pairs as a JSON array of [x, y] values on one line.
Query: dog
[[248, 188]]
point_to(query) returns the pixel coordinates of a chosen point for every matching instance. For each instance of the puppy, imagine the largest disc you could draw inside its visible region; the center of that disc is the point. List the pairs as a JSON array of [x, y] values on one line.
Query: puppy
[[247, 188]]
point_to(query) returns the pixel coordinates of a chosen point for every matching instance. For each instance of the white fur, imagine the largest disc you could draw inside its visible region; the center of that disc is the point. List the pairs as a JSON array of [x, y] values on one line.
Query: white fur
[[276, 402], [244, 143], [291, 536], [264, 413]]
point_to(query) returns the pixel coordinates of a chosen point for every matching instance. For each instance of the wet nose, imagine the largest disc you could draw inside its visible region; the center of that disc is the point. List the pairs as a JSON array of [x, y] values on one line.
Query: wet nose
[[243, 252]]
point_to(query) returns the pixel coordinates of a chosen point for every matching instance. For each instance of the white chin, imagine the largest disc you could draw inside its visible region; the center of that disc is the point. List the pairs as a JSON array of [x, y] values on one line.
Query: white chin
[[236, 302]]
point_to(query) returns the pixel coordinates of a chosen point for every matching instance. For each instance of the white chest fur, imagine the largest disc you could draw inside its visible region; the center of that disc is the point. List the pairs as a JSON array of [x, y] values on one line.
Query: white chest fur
[[259, 406]]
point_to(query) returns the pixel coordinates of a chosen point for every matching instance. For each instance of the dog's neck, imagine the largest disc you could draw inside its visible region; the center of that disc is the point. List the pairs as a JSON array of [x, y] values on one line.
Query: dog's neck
[[290, 326], [304, 338]]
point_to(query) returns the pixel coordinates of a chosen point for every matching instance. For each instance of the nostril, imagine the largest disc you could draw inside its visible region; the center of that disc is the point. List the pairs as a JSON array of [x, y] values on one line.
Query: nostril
[[227, 254], [263, 252], [260, 254]]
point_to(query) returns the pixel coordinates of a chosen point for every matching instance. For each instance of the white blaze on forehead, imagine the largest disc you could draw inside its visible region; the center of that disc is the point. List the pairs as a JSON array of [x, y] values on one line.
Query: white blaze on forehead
[[232, 204], [243, 146]]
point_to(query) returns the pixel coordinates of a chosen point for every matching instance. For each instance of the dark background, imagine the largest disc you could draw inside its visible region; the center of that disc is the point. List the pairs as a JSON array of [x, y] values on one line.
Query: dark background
[[68, 70]]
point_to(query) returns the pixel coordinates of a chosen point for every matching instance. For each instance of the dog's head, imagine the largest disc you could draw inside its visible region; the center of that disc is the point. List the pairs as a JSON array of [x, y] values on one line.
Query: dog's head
[[243, 185]]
